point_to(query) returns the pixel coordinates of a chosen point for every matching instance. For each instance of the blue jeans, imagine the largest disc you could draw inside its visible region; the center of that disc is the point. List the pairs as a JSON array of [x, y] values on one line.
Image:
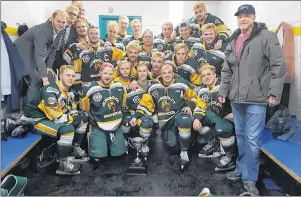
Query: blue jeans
[[249, 123]]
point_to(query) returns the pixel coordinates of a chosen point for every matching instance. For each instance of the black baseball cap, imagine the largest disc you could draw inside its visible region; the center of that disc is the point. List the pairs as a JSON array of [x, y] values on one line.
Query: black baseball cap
[[246, 9]]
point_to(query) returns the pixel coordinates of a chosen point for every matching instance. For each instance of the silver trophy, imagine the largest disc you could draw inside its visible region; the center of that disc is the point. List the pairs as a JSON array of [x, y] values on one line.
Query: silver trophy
[[137, 167]]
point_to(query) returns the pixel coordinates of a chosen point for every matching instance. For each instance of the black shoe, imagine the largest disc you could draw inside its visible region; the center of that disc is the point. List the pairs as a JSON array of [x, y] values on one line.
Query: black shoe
[[233, 175], [250, 186]]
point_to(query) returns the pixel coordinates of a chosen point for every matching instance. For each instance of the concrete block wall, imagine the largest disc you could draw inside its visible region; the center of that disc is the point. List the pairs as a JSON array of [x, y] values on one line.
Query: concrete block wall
[[273, 13]]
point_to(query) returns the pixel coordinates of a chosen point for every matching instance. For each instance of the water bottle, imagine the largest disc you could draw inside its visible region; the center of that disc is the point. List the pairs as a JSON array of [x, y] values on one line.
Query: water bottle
[[280, 124]]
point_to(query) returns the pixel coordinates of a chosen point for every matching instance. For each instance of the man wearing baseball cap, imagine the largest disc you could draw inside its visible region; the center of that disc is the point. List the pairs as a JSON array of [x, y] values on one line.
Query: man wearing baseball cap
[[252, 77]]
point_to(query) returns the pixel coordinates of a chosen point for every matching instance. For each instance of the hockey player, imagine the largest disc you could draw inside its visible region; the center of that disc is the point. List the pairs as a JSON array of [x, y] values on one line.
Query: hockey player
[[147, 43], [174, 101], [216, 124], [53, 113], [188, 35], [124, 73], [156, 64], [145, 123], [89, 60], [163, 42], [104, 100], [72, 52], [132, 50], [205, 52], [201, 17], [184, 66], [123, 23], [137, 29], [112, 38]]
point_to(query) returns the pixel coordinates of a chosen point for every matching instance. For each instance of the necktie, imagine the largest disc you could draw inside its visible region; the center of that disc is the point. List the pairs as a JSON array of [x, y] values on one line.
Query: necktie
[[63, 39]]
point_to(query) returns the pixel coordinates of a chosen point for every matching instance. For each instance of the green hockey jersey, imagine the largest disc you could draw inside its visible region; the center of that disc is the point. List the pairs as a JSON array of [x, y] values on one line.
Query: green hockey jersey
[[188, 70], [211, 99], [90, 59], [223, 31], [204, 55], [134, 97], [167, 101], [105, 104], [166, 47], [51, 103]]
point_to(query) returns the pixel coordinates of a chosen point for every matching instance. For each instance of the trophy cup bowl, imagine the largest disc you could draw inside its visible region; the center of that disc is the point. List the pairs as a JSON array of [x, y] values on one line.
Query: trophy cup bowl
[[137, 167]]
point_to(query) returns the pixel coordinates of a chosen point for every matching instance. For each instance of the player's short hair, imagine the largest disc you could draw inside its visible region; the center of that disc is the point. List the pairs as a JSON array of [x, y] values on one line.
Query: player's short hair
[[208, 26], [93, 27], [72, 7], [206, 66], [77, 3], [78, 20], [105, 65], [135, 21], [167, 23], [66, 67], [199, 5], [113, 25], [148, 31], [133, 45], [123, 17], [167, 64], [59, 12], [180, 46], [142, 63], [158, 54]]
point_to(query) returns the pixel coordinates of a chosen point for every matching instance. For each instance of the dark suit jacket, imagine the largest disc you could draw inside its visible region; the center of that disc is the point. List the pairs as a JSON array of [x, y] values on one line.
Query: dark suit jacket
[[37, 48]]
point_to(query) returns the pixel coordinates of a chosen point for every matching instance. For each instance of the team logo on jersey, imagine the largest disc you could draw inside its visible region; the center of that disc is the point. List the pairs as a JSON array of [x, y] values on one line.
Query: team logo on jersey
[[160, 47], [86, 58], [136, 99], [155, 94], [112, 105], [51, 89], [97, 97], [195, 53], [205, 97], [51, 100], [166, 105]]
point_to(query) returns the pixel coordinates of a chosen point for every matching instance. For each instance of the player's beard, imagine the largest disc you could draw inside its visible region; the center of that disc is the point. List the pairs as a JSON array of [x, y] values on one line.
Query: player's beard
[[105, 82]]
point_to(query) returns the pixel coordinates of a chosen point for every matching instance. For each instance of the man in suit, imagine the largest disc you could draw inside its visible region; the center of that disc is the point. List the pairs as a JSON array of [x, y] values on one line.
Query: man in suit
[[67, 36], [37, 48]]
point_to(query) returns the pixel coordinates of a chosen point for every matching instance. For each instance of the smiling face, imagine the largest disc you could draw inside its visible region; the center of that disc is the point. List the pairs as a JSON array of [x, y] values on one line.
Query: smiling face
[[185, 32], [123, 24], [200, 14], [208, 77], [67, 77], [245, 21], [133, 54], [93, 34], [112, 33], [106, 76], [208, 35], [59, 22], [157, 63], [125, 70], [81, 28], [142, 71], [167, 74]]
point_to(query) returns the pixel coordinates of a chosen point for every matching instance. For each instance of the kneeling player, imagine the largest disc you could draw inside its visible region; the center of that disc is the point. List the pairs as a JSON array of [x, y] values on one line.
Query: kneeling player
[[216, 123], [173, 100], [104, 100], [145, 123], [53, 113]]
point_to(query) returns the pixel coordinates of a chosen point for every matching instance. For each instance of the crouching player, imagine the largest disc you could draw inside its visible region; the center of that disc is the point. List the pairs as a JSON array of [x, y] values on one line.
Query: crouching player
[[53, 113], [218, 129], [145, 123], [104, 100], [174, 101]]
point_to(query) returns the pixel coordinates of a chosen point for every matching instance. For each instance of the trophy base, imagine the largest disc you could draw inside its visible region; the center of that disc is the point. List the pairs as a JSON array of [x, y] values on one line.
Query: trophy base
[[137, 169]]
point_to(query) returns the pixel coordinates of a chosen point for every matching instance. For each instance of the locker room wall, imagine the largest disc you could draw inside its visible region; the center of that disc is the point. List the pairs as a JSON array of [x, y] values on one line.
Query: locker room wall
[[273, 13], [35, 12]]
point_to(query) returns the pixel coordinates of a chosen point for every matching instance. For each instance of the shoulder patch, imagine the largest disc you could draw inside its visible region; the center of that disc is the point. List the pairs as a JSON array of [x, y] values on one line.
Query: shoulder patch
[[53, 90], [51, 100]]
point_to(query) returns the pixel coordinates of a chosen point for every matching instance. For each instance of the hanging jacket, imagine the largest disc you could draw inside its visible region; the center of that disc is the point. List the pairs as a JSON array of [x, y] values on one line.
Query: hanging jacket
[[288, 49], [16, 70]]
